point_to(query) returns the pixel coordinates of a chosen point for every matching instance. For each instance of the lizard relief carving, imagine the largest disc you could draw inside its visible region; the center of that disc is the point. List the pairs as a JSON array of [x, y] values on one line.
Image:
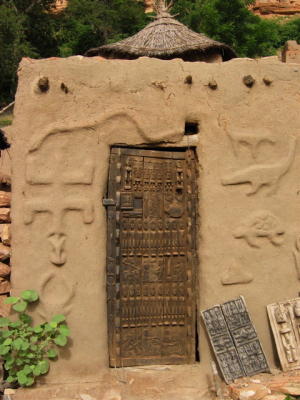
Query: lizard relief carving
[[260, 224], [59, 181], [259, 175]]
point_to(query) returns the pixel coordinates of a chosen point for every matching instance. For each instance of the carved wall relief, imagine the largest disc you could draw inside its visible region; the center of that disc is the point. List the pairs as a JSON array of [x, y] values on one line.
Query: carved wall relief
[[235, 274], [234, 340], [259, 175], [258, 225], [252, 141], [285, 323], [56, 295], [296, 254], [58, 181]]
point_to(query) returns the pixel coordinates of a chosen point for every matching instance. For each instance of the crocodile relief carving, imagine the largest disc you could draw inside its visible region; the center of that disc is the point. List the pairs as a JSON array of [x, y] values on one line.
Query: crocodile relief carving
[[59, 178], [259, 174]]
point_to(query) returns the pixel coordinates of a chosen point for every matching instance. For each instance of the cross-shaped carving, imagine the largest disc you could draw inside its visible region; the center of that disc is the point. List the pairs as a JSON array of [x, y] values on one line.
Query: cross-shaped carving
[[56, 196]]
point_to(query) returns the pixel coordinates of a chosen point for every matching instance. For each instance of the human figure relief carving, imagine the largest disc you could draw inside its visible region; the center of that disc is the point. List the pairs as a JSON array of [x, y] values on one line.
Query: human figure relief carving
[[61, 182], [286, 333], [296, 254], [260, 224], [259, 175], [285, 323]]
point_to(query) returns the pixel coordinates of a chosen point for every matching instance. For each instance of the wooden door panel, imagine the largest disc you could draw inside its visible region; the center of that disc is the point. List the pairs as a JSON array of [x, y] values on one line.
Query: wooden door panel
[[151, 257]]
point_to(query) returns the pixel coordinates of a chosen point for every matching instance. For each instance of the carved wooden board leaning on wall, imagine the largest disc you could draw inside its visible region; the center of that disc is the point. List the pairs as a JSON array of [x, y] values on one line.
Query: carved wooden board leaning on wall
[[234, 340], [285, 323]]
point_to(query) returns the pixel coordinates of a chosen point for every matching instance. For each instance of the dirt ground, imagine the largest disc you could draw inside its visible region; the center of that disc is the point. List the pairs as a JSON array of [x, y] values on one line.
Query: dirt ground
[[166, 383]]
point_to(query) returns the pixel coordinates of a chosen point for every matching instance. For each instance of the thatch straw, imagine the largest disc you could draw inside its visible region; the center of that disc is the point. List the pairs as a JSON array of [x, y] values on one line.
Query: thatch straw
[[164, 38]]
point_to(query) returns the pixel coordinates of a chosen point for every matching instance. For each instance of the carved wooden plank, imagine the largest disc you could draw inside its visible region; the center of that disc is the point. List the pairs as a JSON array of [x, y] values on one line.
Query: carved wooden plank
[[150, 265], [285, 323], [222, 343], [244, 336], [234, 340]]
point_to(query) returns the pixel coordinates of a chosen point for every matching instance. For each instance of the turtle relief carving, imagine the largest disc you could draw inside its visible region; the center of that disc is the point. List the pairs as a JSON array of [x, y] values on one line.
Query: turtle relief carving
[[256, 174], [58, 181], [259, 225]]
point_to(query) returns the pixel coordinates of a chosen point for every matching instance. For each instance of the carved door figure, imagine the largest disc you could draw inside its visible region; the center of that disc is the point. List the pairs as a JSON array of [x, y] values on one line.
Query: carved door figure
[[151, 280]]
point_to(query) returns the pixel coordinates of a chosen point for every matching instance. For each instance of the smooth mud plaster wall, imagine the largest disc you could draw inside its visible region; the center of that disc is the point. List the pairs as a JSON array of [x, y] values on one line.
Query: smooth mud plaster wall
[[249, 201]]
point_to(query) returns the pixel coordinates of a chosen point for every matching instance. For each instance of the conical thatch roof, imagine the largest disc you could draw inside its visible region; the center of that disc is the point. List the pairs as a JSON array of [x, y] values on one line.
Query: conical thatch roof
[[164, 38]]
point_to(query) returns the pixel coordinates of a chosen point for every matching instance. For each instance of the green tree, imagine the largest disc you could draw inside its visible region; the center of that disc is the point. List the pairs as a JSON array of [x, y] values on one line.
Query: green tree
[[91, 23]]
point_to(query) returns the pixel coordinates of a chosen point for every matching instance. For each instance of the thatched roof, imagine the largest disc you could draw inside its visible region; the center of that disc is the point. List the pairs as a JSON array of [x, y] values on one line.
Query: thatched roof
[[164, 38]]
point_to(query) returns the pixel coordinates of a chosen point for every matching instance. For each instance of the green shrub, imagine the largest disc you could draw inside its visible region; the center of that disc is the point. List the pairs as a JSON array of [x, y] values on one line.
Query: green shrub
[[26, 349]]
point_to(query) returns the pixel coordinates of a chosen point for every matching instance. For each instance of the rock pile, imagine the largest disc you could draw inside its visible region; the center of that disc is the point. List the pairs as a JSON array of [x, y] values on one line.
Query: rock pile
[[265, 387], [5, 242]]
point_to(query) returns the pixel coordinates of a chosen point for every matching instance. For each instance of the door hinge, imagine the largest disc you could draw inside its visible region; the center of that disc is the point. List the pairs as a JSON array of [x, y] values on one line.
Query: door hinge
[[108, 202]]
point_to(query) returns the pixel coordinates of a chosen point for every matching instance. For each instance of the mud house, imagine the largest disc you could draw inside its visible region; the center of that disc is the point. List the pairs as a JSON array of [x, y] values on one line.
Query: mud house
[[158, 189]]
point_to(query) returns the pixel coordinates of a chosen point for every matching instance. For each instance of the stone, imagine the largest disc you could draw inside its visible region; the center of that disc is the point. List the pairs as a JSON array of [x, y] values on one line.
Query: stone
[[293, 389], [4, 286], [4, 252], [5, 234], [276, 8], [291, 52], [275, 396], [5, 198], [4, 214], [253, 391], [4, 269]]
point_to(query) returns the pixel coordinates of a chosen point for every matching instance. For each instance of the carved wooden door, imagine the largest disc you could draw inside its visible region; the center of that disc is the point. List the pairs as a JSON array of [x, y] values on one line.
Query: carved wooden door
[[151, 279]]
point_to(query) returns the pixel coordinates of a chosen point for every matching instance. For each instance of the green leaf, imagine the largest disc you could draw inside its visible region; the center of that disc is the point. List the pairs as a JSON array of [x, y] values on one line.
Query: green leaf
[[7, 342], [22, 378], [20, 306], [15, 324], [25, 345], [10, 379], [53, 324], [11, 300], [4, 322], [30, 295], [30, 381], [25, 318], [64, 330], [58, 318], [48, 328], [6, 334], [38, 329], [44, 366], [37, 370], [17, 344], [9, 363], [52, 353], [61, 340], [4, 350], [27, 370]]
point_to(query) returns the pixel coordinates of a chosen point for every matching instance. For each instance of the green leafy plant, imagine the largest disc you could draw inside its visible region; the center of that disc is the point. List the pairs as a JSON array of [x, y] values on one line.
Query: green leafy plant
[[27, 349]]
